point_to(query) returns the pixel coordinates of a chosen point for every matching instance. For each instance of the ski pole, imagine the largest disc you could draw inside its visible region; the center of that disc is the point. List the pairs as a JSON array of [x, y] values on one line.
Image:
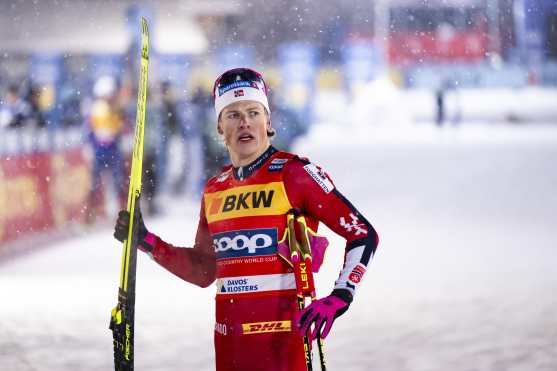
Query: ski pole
[[295, 257], [300, 254], [306, 256]]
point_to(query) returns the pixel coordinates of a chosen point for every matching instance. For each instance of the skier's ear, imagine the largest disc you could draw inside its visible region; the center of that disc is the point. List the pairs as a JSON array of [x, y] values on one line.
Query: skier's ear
[[270, 130], [219, 129]]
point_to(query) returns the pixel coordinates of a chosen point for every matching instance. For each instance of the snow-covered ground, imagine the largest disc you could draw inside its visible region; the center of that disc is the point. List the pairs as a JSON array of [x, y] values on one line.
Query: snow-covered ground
[[465, 277]]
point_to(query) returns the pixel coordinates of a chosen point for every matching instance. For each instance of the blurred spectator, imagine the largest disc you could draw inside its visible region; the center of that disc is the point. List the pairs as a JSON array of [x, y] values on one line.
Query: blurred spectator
[[18, 111], [215, 154], [151, 152], [440, 105], [441, 95], [169, 127], [70, 107], [14, 109], [106, 124], [195, 115], [32, 97]]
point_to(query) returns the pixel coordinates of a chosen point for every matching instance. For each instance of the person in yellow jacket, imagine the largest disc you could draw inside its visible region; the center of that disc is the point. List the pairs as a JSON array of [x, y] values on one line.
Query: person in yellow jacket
[[105, 128]]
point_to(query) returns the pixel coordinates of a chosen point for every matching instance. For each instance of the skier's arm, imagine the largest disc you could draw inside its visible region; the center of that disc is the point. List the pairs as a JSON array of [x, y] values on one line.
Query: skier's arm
[[313, 192], [195, 265]]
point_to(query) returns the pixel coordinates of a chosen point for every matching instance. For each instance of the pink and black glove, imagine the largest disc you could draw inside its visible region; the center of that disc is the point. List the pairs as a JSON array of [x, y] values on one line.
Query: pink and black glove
[[323, 313], [122, 226]]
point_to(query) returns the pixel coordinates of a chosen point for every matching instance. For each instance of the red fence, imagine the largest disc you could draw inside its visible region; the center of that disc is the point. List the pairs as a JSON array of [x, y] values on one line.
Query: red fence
[[42, 192]]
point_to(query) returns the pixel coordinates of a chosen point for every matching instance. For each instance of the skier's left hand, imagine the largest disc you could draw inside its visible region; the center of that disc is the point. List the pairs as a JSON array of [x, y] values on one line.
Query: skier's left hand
[[323, 313], [123, 224]]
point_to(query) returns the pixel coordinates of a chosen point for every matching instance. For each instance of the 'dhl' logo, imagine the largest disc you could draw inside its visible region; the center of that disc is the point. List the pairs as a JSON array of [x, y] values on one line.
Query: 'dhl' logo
[[248, 200], [261, 327]]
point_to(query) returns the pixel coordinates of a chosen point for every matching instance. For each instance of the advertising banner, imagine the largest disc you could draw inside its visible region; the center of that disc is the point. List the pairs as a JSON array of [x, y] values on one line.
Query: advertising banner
[[41, 192]]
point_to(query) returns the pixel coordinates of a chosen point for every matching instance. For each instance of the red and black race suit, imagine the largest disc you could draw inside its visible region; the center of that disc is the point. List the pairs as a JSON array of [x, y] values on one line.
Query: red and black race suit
[[242, 220]]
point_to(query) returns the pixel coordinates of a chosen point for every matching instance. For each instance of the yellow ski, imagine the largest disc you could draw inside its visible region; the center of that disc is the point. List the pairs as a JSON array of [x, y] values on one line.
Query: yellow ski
[[122, 316]]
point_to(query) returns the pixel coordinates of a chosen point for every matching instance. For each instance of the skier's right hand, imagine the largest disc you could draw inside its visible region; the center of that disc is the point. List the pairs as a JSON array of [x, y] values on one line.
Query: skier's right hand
[[123, 224]]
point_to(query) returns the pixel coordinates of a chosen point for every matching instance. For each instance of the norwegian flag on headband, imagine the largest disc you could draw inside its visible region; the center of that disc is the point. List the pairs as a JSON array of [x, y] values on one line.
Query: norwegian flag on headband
[[239, 90]]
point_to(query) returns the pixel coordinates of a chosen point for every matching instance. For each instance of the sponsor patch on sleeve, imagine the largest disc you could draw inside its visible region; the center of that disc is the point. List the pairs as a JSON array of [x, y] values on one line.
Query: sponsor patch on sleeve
[[357, 274], [320, 178]]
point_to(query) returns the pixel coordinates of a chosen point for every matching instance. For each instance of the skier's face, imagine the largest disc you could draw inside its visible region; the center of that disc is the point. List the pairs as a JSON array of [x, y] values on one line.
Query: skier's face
[[244, 127]]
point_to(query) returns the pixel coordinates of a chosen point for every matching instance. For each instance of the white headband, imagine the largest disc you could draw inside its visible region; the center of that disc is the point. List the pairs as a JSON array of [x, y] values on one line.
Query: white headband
[[240, 91]]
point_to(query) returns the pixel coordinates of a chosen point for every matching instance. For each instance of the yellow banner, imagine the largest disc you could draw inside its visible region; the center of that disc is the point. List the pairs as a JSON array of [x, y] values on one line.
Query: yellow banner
[[252, 200], [263, 327]]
